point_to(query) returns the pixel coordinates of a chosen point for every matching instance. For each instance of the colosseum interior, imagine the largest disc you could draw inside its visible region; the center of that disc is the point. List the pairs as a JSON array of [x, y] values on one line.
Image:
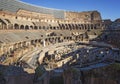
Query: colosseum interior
[[28, 33], [22, 28]]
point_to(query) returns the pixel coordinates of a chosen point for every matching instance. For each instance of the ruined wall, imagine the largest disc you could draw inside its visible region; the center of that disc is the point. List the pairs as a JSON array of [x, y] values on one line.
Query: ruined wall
[[99, 81], [83, 17], [35, 15]]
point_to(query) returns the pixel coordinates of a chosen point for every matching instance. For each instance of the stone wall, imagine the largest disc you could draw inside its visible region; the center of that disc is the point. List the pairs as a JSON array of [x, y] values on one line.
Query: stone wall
[[99, 81], [34, 15], [83, 17], [20, 79]]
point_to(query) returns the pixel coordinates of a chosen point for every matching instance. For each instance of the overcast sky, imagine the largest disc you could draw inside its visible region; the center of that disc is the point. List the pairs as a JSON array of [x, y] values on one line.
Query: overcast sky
[[109, 9]]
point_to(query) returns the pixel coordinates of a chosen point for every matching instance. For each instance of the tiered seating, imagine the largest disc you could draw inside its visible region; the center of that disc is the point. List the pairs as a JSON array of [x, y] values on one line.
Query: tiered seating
[[15, 5]]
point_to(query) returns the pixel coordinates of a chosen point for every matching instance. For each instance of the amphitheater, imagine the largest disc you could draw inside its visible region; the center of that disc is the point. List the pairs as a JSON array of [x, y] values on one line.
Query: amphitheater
[[33, 36], [25, 27]]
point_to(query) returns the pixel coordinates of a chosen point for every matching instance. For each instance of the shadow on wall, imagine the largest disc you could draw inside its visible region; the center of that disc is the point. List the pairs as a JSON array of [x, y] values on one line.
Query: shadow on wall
[[14, 75]]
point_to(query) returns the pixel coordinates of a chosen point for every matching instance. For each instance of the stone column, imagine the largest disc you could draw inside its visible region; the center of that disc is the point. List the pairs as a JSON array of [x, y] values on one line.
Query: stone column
[[44, 43]]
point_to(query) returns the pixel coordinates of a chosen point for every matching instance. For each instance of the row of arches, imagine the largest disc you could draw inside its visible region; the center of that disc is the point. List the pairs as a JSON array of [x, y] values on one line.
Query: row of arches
[[80, 26], [16, 26], [27, 27], [60, 26]]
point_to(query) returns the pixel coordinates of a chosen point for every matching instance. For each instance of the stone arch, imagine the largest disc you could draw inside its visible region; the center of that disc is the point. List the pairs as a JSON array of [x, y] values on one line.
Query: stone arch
[[60, 26], [1, 25], [89, 27], [44, 27], [16, 26], [69, 26], [73, 25], [31, 27], [39, 27], [50, 27], [66, 27], [92, 26], [36, 40], [22, 27], [95, 15], [79, 26], [32, 42], [76, 25], [35, 27], [95, 26], [39, 40], [63, 26], [47, 28], [26, 27], [82, 26], [54, 28]]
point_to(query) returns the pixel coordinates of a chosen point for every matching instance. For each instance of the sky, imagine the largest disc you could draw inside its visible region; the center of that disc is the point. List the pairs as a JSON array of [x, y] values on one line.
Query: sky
[[109, 9]]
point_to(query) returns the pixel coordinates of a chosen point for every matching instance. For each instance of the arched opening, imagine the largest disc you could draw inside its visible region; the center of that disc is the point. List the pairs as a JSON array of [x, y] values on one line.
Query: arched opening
[[66, 27], [76, 25], [69, 26], [35, 27], [44, 27], [0, 25], [32, 42], [47, 27], [22, 27], [79, 26], [82, 26], [36, 41], [95, 26], [26, 27], [92, 26], [73, 25], [89, 27], [39, 40], [63, 26], [54, 28], [39, 27], [46, 39], [31, 27], [16, 26], [60, 26], [51, 27]]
